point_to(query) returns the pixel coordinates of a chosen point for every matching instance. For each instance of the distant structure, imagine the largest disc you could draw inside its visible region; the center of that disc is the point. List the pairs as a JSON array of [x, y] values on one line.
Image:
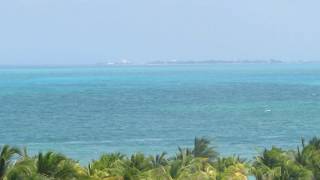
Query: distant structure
[[115, 62]]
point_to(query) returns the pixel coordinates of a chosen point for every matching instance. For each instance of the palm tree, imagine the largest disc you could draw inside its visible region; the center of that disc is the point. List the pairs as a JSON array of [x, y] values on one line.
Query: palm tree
[[140, 162], [24, 169], [132, 167], [110, 165], [315, 142], [278, 165], [230, 166], [183, 153], [309, 156], [56, 165], [159, 160], [6, 155], [202, 149], [159, 173], [196, 168]]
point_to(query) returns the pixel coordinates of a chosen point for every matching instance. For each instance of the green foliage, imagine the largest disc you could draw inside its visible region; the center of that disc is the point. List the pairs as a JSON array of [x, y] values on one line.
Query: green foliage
[[140, 162], [56, 165], [108, 166], [278, 164], [197, 168], [309, 156], [200, 162], [159, 160], [6, 155], [202, 149], [231, 168]]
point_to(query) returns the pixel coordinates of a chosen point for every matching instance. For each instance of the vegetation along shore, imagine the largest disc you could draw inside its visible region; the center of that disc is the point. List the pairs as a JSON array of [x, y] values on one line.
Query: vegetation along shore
[[200, 162]]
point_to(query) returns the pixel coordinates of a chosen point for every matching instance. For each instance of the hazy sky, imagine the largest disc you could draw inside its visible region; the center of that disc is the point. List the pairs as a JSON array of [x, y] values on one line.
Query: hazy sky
[[90, 31]]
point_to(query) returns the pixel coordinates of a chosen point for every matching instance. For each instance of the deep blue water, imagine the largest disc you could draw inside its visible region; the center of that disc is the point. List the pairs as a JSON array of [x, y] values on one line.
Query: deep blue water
[[85, 111]]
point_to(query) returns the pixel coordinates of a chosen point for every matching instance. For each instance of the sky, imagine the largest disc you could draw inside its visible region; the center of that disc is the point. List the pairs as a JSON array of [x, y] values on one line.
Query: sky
[[77, 32]]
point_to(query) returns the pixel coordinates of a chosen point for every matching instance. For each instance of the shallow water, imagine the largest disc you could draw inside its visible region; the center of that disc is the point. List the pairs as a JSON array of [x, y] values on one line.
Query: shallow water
[[83, 111]]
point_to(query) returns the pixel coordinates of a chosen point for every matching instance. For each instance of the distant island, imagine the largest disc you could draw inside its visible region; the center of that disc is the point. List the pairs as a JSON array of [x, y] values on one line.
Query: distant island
[[271, 61], [186, 62], [125, 62]]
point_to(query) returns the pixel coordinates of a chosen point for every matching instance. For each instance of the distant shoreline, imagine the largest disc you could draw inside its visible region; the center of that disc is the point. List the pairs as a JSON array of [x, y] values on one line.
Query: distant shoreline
[[157, 63]]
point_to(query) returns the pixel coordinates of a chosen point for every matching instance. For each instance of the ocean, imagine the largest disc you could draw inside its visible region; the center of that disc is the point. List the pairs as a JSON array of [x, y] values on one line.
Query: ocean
[[85, 111]]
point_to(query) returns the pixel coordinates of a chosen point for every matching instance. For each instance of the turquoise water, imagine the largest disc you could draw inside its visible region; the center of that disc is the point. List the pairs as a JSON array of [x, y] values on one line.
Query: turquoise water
[[85, 111]]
